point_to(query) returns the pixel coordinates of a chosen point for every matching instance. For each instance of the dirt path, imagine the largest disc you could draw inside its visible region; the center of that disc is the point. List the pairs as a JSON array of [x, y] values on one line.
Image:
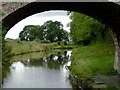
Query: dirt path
[[109, 80]]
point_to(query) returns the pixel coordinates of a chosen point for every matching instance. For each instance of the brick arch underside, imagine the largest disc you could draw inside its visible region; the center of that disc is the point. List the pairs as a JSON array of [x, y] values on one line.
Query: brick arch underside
[[107, 13]]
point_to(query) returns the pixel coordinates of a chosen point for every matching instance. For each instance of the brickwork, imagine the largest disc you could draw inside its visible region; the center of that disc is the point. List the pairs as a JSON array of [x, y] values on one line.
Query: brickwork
[[9, 7]]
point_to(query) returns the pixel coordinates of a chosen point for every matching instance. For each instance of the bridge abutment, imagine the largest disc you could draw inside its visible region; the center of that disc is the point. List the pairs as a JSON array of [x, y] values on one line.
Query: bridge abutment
[[117, 61], [119, 58], [117, 52]]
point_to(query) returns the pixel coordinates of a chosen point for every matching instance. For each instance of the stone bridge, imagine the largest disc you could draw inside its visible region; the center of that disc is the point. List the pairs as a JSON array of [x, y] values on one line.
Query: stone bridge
[[108, 13]]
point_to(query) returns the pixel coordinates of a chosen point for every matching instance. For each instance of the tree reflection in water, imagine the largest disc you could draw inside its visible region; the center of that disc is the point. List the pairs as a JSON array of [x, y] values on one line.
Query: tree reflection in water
[[53, 61]]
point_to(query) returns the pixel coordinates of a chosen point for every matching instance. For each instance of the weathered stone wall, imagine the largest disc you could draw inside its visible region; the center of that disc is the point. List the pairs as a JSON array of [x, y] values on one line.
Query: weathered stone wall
[[9, 7]]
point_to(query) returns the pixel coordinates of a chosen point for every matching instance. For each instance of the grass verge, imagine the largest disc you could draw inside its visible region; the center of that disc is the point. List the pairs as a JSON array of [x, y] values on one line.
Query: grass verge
[[93, 59], [21, 47]]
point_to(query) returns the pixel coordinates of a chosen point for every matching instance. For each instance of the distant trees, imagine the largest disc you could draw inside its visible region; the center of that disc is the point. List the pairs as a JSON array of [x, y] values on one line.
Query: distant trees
[[31, 32], [52, 31], [84, 29]]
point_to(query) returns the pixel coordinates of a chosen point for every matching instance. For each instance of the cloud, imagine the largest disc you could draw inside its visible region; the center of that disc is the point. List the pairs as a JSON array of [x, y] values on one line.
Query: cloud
[[39, 19], [51, 13]]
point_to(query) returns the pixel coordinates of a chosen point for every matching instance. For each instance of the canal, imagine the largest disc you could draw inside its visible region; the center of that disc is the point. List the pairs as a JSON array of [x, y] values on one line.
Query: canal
[[39, 71]]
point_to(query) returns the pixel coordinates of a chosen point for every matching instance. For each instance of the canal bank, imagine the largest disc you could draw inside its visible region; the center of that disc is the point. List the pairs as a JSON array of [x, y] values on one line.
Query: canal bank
[[24, 47], [90, 61], [87, 63]]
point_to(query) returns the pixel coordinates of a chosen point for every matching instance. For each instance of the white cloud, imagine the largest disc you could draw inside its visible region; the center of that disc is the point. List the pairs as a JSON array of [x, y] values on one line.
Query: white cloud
[[39, 19]]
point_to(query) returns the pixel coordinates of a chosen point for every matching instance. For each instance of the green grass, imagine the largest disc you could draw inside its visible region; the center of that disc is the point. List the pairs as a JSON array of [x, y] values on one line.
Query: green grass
[[19, 47], [92, 59], [109, 87], [64, 46]]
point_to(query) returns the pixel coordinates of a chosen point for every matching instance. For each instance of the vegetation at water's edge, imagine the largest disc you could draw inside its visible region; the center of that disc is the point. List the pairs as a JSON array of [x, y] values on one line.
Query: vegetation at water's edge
[[93, 59], [111, 87], [16, 47], [6, 50], [22, 47]]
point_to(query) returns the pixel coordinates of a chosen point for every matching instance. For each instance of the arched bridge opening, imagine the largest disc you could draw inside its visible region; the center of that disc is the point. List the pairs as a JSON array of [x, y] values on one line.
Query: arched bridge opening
[[107, 13]]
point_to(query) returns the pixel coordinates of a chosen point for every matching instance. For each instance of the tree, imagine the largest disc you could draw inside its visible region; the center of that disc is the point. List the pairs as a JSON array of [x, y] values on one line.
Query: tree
[[50, 30], [54, 31], [31, 32], [85, 29]]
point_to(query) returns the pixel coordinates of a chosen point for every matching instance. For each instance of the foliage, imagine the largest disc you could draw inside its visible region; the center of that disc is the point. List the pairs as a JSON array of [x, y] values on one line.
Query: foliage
[[59, 43], [1, 13], [37, 40], [6, 55], [65, 42], [24, 47], [111, 87], [31, 32], [6, 50], [85, 29], [52, 31], [45, 41], [92, 59], [55, 31]]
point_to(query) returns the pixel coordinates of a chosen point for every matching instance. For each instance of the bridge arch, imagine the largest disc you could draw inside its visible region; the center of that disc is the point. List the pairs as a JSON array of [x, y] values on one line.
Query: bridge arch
[[107, 13]]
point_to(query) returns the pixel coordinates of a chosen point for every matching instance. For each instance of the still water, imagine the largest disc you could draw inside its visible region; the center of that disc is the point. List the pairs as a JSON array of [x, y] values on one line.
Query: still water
[[46, 72]]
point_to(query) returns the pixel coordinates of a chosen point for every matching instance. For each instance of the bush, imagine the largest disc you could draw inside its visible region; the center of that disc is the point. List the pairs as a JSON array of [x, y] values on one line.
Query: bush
[[37, 40], [70, 43], [18, 41], [45, 41], [65, 42], [59, 42], [6, 55], [6, 50]]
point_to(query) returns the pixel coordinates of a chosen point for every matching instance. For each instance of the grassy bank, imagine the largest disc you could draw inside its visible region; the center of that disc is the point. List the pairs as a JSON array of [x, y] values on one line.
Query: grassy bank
[[93, 59], [22, 47], [64, 46]]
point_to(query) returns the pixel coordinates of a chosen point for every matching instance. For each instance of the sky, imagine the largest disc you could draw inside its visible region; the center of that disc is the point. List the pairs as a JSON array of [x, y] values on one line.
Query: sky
[[39, 19]]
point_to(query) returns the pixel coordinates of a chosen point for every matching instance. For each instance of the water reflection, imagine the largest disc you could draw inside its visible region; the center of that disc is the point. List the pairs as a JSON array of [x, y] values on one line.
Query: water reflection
[[46, 72]]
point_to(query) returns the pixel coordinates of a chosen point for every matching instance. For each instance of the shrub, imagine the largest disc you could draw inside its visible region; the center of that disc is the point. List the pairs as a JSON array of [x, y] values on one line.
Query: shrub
[[70, 43], [45, 41], [65, 42], [37, 40], [59, 43], [6, 55]]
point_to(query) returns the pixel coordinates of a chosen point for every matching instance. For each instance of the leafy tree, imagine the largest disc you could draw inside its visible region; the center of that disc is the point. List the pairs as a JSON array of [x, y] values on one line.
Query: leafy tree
[[31, 32], [85, 29], [52, 31]]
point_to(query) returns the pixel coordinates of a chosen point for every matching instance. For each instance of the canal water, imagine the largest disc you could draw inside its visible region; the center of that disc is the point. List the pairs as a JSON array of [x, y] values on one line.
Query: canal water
[[42, 71]]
